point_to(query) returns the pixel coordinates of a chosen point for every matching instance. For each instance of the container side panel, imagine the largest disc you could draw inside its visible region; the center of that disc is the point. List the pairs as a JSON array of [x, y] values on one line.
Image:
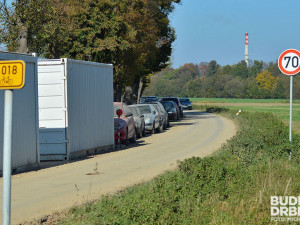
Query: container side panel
[[52, 109], [53, 141], [53, 116], [54, 90], [90, 105], [50, 102], [55, 74], [25, 144], [51, 96]]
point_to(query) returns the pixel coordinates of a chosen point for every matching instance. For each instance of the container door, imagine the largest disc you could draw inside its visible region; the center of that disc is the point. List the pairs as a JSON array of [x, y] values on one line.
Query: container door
[[52, 111]]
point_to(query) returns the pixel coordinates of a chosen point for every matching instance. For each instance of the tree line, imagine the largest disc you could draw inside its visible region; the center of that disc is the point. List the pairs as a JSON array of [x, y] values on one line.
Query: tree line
[[260, 80], [133, 35]]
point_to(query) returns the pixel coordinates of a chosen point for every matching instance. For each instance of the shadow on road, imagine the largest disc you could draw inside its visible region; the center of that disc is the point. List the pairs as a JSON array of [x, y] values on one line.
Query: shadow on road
[[121, 147], [181, 124], [185, 121]]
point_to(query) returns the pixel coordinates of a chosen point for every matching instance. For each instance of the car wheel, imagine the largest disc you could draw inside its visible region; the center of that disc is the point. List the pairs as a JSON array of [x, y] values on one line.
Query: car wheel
[[133, 139], [160, 128], [153, 129], [141, 132], [164, 125], [144, 131], [126, 140]]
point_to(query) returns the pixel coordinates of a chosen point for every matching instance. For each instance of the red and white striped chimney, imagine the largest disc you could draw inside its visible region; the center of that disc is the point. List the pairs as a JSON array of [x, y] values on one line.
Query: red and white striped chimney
[[246, 49]]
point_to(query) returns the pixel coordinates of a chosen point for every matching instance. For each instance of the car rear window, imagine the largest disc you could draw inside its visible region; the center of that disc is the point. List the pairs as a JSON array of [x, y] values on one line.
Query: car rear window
[[145, 109], [157, 108], [133, 110], [116, 107], [185, 100], [151, 100], [167, 105], [170, 99]]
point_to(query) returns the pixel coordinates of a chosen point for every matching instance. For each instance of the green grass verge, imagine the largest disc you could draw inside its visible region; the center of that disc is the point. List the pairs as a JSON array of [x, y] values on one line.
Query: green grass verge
[[233, 186]]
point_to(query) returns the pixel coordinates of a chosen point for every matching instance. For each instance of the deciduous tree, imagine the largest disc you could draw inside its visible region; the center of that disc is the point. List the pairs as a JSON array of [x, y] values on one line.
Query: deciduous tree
[[212, 68], [265, 80], [134, 35], [240, 70]]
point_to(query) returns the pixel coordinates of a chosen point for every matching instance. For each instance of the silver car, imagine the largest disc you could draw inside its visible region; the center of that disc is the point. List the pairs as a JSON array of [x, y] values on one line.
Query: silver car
[[151, 117], [163, 115], [139, 120]]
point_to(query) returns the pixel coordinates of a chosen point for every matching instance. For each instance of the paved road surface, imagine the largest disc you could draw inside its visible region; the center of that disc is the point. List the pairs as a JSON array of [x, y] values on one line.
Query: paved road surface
[[38, 193]]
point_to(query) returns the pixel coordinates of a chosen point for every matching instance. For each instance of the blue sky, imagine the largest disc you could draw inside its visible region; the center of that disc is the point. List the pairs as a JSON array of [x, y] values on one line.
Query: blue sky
[[215, 30]]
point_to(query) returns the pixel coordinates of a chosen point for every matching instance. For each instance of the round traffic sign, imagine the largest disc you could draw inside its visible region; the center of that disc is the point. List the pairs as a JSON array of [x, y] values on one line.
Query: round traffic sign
[[289, 62], [119, 112]]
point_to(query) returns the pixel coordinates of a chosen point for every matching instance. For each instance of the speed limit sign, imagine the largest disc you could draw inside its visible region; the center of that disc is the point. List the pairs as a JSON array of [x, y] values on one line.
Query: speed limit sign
[[289, 62]]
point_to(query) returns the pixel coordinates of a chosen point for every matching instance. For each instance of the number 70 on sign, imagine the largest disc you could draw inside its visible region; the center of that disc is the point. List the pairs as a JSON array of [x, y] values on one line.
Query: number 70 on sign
[[289, 62]]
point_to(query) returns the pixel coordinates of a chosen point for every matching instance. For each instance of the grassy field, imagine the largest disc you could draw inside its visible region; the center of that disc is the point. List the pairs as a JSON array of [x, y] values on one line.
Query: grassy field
[[238, 100], [279, 107]]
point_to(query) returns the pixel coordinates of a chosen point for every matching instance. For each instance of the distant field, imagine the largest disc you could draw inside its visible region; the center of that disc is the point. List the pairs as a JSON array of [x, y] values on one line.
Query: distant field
[[279, 107], [237, 100]]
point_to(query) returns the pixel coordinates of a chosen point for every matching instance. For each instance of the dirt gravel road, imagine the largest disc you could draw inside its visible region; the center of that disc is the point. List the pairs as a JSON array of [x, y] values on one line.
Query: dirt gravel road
[[42, 192]]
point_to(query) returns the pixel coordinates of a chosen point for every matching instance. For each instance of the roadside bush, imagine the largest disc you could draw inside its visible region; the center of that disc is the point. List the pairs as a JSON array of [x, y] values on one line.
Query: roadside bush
[[215, 109], [262, 135]]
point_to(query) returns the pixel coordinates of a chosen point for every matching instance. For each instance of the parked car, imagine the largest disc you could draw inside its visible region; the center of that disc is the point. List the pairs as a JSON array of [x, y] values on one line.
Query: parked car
[[148, 99], [163, 114], [139, 120], [151, 117], [125, 125], [176, 100], [186, 103], [142, 100], [170, 107], [159, 114]]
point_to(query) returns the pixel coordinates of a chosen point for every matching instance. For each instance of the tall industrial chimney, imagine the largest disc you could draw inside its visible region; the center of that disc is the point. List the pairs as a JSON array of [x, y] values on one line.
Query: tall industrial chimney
[[246, 49]]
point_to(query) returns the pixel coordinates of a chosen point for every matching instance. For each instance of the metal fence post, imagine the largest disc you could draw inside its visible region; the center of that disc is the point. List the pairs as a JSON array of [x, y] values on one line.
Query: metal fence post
[[7, 141]]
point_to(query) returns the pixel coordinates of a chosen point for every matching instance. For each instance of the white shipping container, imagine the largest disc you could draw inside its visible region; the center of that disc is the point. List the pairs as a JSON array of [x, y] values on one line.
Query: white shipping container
[[75, 108], [25, 127]]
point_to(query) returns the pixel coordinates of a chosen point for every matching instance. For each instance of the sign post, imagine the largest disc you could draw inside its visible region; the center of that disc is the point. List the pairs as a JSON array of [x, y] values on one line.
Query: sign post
[[12, 76], [289, 64], [119, 113]]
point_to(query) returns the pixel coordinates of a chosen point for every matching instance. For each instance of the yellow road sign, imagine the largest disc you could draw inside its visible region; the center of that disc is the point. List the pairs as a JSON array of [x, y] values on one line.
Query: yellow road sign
[[12, 74]]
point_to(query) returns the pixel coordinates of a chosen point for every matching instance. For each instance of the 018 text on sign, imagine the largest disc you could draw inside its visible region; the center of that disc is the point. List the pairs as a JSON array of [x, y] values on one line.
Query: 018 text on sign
[[12, 74]]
